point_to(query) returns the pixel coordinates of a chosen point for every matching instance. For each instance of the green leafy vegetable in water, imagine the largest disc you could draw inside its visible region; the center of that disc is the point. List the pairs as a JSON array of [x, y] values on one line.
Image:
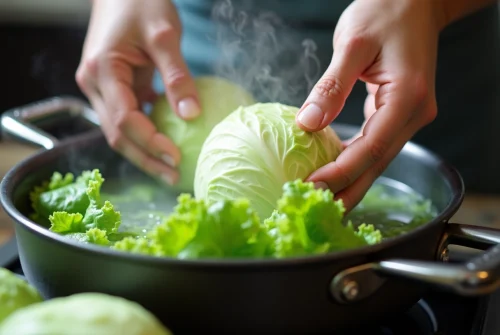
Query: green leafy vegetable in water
[[62, 194], [309, 221], [77, 208], [305, 221]]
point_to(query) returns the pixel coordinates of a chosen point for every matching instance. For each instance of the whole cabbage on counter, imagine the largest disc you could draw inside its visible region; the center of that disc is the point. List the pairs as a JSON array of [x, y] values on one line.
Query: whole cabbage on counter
[[218, 98], [83, 314], [15, 293], [254, 151]]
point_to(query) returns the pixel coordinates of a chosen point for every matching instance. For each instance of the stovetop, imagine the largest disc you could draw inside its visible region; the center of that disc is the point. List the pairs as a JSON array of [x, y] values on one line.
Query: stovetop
[[438, 313]]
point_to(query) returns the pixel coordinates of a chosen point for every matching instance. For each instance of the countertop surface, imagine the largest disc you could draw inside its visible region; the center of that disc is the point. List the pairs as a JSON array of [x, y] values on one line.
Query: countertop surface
[[45, 12], [476, 210]]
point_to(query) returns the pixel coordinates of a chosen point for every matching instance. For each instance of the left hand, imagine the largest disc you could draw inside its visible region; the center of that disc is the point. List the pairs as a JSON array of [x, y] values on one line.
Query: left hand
[[392, 47]]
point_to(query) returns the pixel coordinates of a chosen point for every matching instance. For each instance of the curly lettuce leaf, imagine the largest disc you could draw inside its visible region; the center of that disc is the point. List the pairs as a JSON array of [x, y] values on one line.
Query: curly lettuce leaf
[[61, 194], [138, 246], [179, 228], [75, 209], [97, 236], [309, 221], [58, 180], [228, 229], [195, 230], [368, 233], [98, 215], [64, 222], [91, 236]]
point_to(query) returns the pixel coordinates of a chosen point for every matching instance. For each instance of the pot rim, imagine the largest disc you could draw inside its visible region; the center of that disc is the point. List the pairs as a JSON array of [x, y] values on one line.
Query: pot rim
[[17, 173]]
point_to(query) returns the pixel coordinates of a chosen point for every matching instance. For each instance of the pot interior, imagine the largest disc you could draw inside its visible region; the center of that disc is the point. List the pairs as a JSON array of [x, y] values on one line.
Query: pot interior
[[414, 175]]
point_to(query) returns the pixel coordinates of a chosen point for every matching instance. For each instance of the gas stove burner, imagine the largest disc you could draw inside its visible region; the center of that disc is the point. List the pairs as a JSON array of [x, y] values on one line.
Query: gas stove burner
[[418, 320]]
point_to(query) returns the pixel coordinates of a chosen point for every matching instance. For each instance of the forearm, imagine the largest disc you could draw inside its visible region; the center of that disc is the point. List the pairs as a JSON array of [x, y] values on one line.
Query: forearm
[[453, 10]]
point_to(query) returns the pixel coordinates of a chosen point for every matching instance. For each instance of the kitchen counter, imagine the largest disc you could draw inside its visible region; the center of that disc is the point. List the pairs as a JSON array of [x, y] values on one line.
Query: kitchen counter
[[45, 12], [10, 154], [476, 210]]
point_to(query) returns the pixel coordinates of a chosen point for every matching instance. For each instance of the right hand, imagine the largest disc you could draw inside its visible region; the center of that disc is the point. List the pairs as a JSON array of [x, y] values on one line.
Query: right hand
[[125, 42]]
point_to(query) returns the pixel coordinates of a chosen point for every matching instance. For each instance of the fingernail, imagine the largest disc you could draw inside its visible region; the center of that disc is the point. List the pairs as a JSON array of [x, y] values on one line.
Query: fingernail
[[188, 108], [321, 185], [168, 159], [167, 179], [311, 117]]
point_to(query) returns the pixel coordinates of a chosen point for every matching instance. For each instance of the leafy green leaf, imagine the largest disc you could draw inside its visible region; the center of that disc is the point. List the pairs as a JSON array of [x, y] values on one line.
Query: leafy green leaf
[[64, 222], [138, 246], [61, 195], [97, 236], [309, 221], [100, 216]]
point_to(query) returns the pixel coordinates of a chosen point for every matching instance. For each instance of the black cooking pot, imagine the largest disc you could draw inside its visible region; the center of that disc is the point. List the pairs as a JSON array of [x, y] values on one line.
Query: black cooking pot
[[303, 295]]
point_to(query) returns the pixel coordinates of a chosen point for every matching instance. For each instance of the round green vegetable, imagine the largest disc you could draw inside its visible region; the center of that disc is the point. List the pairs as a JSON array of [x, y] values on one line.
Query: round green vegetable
[[255, 150], [218, 98], [15, 293], [82, 314]]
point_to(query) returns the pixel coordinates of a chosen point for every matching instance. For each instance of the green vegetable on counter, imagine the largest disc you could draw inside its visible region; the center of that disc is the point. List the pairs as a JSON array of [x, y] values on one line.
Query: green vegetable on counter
[[82, 314], [15, 294]]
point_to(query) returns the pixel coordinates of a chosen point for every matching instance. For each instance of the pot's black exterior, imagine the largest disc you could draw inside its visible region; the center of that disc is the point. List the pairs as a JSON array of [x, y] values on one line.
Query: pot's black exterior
[[280, 297]]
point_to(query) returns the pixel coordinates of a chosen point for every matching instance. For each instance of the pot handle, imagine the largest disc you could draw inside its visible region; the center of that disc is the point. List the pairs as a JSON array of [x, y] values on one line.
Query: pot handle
[[21, 123], [480, 275]]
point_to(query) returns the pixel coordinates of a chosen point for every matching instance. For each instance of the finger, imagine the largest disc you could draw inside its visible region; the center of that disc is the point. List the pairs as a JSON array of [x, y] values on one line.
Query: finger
[[180, 89], [394, 107], [128, 120], [352, 195], [129, 149], [148, 163], [350, 59]]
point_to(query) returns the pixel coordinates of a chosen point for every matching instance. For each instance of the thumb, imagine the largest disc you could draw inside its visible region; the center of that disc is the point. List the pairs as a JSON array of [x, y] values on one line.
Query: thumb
[[180, 87], [352, 56]]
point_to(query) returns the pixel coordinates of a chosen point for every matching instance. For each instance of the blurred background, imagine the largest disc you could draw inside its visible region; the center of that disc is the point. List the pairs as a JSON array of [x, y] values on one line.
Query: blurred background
[[41, 42]]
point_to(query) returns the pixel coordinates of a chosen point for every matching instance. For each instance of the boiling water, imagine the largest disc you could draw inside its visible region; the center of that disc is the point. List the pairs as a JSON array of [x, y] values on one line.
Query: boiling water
[[391, 206]]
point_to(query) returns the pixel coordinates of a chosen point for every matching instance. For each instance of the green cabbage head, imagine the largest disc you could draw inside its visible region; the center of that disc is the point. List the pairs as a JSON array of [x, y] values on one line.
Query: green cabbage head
[[15, 294], [84, 313], [218, 98], [254, 151]]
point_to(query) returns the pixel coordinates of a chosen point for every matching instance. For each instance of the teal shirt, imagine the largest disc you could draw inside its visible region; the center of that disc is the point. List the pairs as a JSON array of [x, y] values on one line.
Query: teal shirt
[[281, 61]]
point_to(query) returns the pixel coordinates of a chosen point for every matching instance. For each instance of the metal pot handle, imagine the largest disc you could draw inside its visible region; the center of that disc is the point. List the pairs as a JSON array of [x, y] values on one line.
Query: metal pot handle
[[20, 123], [481, 275]]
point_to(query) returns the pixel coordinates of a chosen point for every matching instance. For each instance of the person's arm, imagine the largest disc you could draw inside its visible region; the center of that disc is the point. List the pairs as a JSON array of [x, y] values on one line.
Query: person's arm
[[454, 10]]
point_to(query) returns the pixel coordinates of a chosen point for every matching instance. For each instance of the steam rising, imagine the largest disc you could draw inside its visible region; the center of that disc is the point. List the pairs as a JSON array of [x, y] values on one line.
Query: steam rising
[[262, 54]]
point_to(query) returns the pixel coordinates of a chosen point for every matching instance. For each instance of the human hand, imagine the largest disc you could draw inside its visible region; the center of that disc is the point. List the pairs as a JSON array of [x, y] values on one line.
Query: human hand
[[392, 47], [126, 40]]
